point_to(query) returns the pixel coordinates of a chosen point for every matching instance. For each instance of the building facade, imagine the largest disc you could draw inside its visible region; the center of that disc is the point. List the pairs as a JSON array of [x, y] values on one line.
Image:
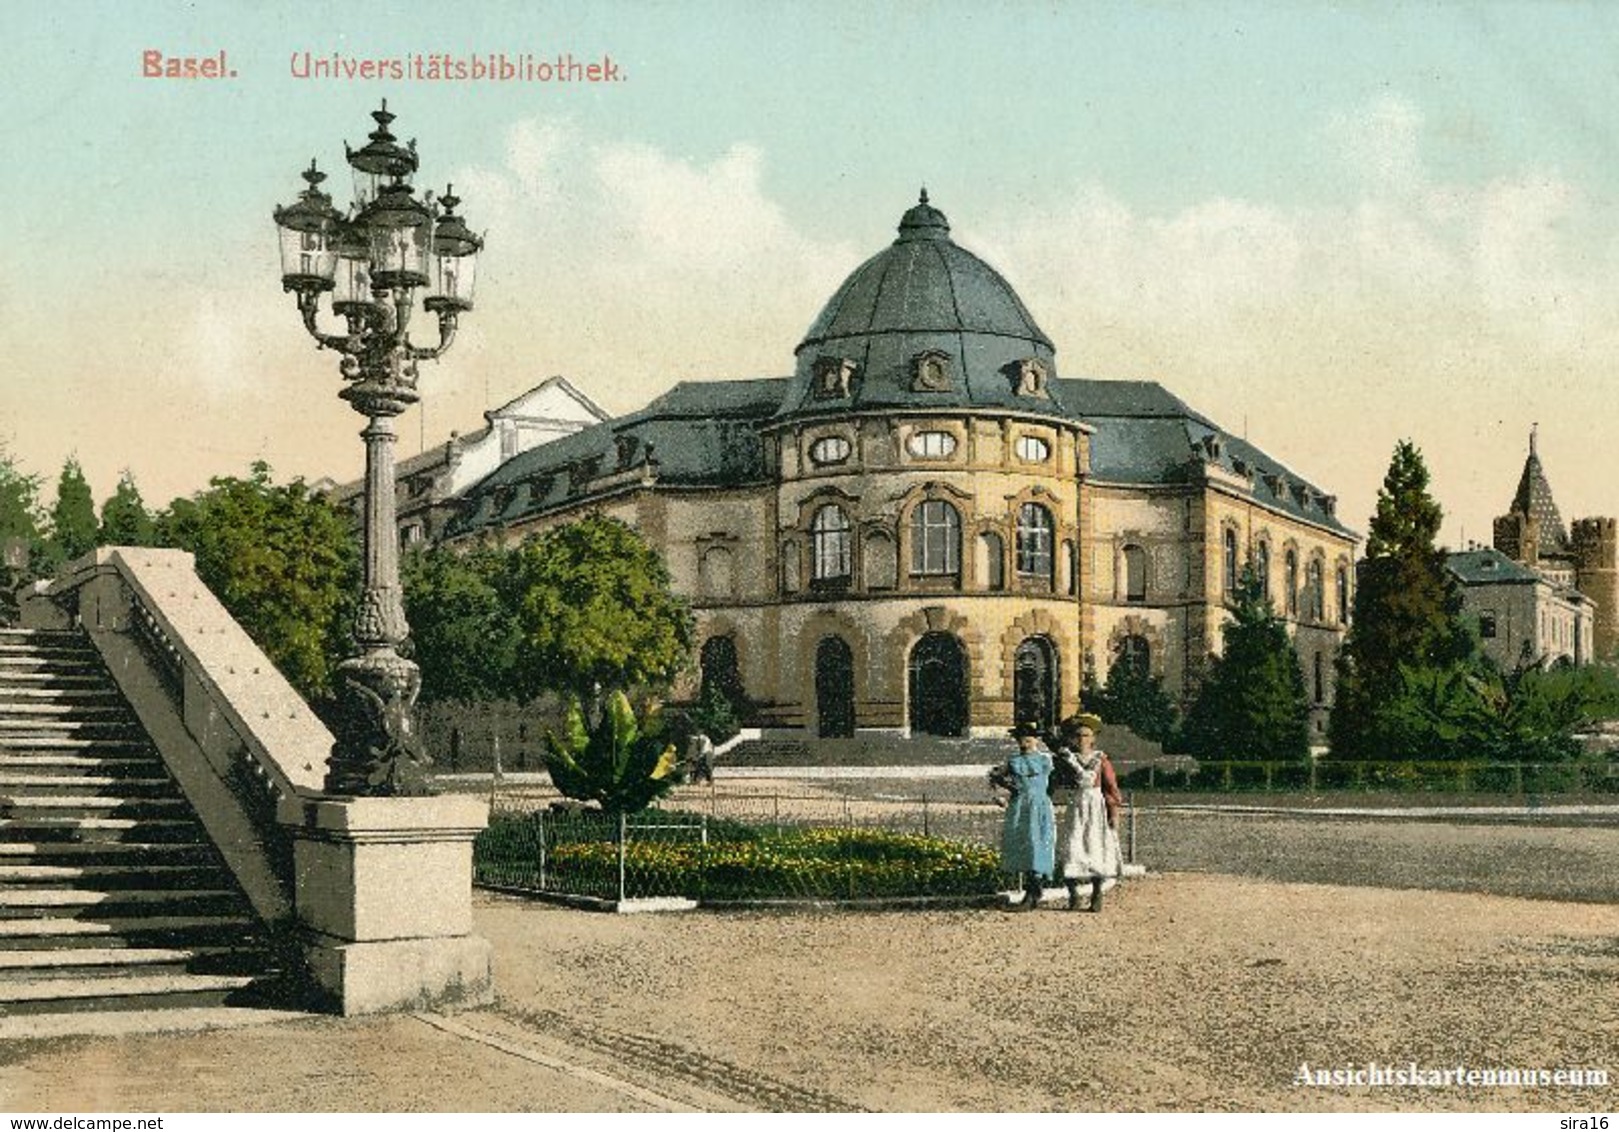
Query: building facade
[[925, 529], [427, 485], [1544, 594], [1524, 618]]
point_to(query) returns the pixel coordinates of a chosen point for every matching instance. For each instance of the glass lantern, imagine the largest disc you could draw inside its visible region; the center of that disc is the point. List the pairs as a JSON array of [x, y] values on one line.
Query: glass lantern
[[352, 291], [398, 228], [308, 234], [380, 161], [454, 261]]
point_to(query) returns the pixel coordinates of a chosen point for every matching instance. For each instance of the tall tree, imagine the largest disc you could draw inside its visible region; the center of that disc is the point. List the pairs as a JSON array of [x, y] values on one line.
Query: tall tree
[[282, 561], [1253, 704], [1407, 612], [464, 633], [125, 521], [1135, 698], [73, 515], [596, 611], [22, 542]]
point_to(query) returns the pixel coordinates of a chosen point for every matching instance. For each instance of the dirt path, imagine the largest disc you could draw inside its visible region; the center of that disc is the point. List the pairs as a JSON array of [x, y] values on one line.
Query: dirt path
[[1189, 992]]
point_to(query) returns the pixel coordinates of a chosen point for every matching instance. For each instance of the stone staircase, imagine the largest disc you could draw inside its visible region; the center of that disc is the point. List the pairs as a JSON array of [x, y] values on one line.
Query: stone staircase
[[111, 895]]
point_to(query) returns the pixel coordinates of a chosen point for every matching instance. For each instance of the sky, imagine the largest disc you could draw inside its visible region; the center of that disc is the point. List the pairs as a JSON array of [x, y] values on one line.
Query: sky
[[1326, 226]]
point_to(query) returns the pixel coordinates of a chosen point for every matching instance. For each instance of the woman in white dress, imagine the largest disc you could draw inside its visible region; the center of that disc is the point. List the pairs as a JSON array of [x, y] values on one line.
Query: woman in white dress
[[1087, 836]]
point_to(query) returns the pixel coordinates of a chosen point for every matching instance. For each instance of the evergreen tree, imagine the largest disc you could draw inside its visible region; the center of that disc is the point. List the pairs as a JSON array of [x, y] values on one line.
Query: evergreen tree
[[124, 518], [1134, 698], [22, 543], [1407, 615], [73, 515], [1253, 703]]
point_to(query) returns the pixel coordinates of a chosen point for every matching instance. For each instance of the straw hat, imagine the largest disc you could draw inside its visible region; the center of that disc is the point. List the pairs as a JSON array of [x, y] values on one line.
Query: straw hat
[[1073, 723]]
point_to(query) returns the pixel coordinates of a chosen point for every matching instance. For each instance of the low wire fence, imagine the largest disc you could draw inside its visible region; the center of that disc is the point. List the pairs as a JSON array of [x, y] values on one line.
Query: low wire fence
[[1592, 777], [719, 845]]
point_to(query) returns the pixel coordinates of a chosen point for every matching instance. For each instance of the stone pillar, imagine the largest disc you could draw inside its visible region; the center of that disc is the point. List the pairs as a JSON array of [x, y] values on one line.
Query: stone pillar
[[383, 892]]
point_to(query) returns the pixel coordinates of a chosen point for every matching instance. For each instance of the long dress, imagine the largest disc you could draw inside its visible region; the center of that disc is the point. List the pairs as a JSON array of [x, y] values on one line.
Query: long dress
[[1086, 845], [1029, 832]]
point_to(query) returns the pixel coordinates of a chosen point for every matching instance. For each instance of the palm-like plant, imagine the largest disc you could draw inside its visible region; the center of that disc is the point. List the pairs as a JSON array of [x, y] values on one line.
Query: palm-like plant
[[622, 764]]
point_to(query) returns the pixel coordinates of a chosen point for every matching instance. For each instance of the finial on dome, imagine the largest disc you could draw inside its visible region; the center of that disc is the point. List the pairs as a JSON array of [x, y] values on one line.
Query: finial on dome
[[923, 222], [1534, 427]]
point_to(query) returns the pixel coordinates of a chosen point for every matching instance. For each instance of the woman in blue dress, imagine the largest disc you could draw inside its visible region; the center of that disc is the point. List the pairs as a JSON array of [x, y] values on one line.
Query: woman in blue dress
[[1029, 832]]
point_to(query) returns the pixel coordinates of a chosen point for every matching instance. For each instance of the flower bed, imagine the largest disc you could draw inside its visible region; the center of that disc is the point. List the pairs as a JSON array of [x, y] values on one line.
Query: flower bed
[[665, 854]]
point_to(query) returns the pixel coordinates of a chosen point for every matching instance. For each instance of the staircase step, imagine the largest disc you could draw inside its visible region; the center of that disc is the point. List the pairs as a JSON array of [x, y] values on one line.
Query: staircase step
[[66, 745], [109, 877], [17, 899], [109, 764], [127, 785], [54, 964], [86, 854], [50, 928], [55, 829], [122, 992], [66, 681], [29, 805], [84, 705], [117, 726]]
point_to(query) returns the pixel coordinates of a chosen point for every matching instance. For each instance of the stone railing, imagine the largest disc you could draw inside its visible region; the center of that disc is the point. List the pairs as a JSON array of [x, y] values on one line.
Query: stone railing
[[236, 736]]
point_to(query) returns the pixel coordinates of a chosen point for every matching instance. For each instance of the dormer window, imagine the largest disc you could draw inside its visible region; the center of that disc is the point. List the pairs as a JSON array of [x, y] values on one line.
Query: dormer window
[[833, 377], [830, 450], [931, 444], [930, 372], [1031, 378]]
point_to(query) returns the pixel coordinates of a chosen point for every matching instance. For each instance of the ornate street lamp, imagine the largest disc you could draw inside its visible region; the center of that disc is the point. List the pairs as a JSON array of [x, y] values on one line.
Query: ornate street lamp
[[374, 260]]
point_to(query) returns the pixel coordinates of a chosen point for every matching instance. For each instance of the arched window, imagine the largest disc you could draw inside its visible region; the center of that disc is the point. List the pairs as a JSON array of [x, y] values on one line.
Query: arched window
[[829, 538], [1343, 595], [1135, 574], [1034, 541], [1135, 655], [992, 561], [1318, 593], [935, 538], [1290, 582], [1320, 680], [1230, 564], [1262, 568]]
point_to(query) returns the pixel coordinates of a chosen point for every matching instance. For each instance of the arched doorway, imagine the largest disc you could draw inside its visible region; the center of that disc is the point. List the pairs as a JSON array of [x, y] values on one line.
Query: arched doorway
[[834, 689], [938, 686], [722, 672], [1034, 682]]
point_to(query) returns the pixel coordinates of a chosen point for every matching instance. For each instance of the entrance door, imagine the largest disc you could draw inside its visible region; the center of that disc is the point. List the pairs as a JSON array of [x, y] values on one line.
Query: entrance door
[[1034, 682], [834, 688], [938, 686]]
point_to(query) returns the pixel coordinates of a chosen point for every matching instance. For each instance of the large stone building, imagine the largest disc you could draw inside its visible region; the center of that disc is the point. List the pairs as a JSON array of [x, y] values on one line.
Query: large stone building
[[1543, 595], [925, 529]]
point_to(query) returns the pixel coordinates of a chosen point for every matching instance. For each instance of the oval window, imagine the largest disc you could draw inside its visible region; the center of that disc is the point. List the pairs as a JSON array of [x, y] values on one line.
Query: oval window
[[1032, 449], [931, 445], [830, 450]]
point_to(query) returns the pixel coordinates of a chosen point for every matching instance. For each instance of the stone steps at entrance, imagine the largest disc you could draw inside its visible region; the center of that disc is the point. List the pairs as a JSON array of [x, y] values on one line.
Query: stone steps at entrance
[[111, 895]]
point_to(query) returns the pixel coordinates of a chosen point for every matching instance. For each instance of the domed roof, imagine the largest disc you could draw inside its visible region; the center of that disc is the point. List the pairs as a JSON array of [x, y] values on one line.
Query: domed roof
[[923, 323]]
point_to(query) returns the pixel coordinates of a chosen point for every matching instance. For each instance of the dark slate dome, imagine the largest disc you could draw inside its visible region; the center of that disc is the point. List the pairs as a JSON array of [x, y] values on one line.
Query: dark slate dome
[[922, 324]]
